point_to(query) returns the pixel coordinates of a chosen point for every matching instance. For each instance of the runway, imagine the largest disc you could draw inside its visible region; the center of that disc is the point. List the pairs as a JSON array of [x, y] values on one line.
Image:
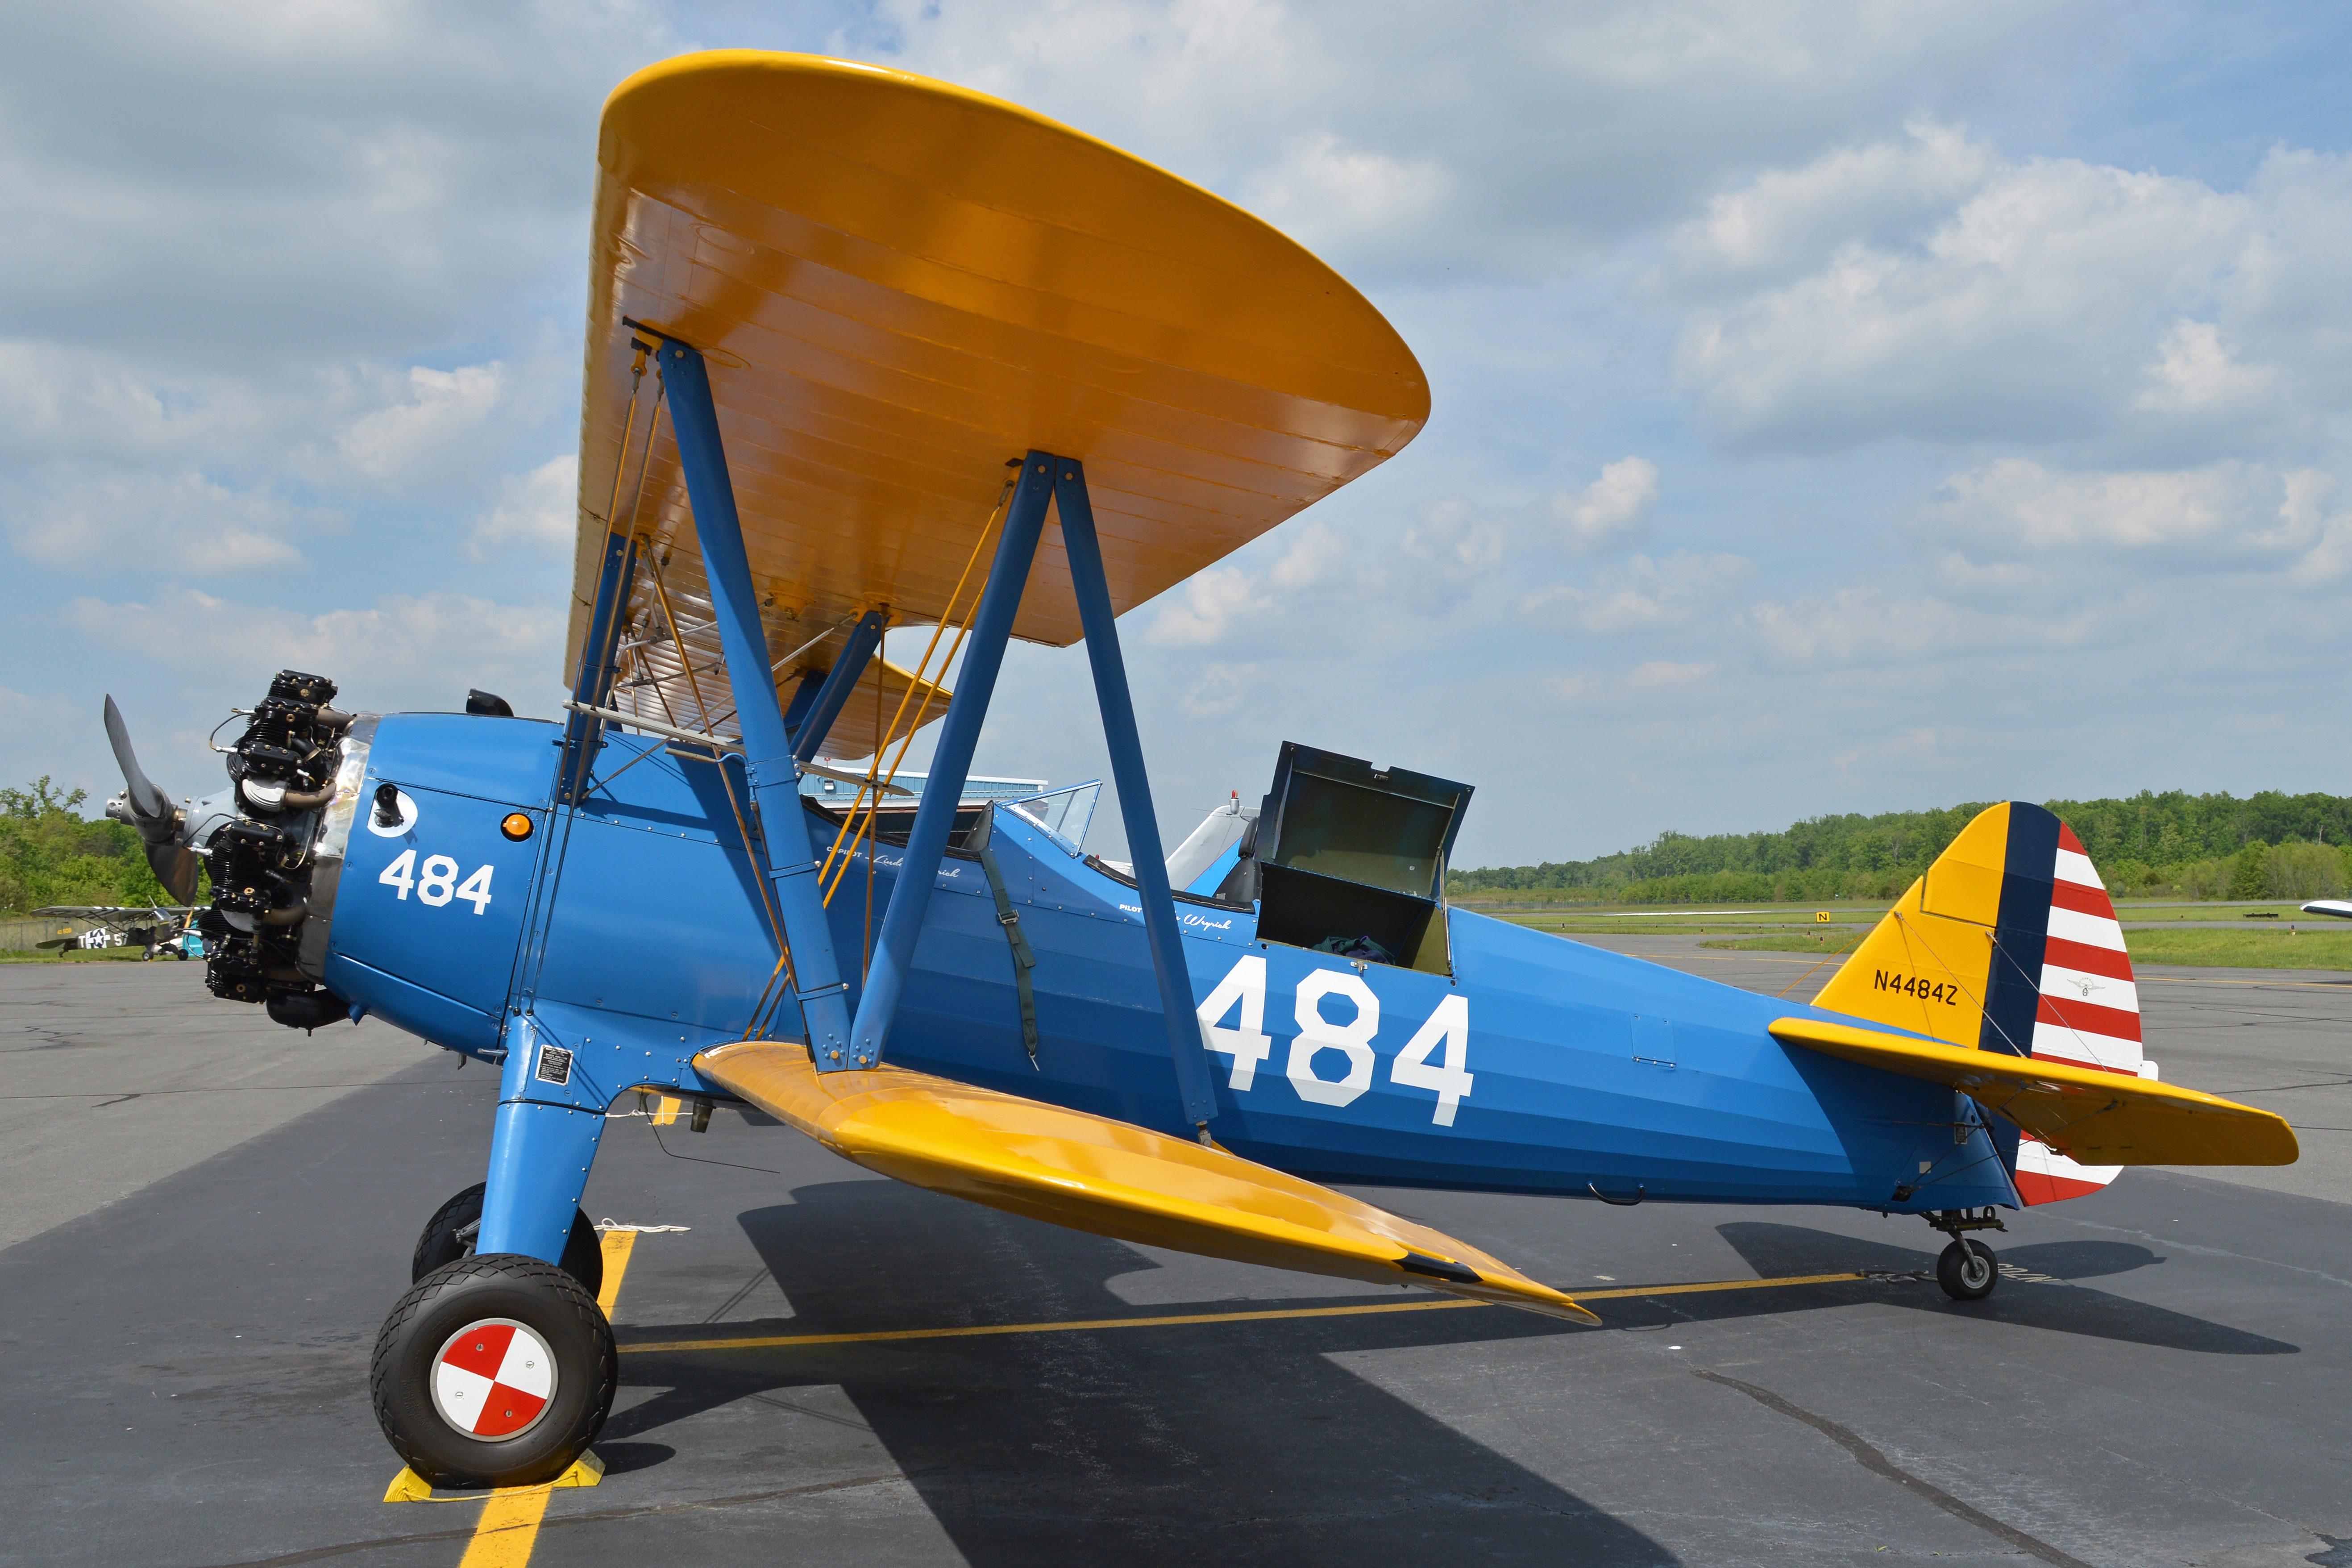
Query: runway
[[825, 1366]]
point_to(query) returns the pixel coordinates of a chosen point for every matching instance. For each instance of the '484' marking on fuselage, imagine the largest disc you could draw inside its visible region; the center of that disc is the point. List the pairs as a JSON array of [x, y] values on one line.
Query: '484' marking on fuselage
[[435, 882], [1248, 1045], [1946, 992]]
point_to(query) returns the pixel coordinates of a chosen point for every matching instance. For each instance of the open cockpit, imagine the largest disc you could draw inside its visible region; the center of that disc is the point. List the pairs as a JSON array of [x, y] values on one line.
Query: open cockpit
[[1341, 856]]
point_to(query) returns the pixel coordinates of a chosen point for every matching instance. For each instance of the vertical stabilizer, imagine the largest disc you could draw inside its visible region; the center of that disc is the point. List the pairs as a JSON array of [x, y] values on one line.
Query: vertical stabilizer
[[2009, 943]]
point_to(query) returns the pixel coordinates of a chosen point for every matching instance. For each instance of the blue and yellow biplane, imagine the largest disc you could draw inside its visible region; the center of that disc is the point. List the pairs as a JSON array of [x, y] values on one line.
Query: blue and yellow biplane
[[865, 352]]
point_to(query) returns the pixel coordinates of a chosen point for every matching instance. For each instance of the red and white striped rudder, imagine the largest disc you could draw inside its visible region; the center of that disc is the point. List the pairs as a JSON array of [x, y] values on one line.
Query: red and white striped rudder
[[2088, 1013]]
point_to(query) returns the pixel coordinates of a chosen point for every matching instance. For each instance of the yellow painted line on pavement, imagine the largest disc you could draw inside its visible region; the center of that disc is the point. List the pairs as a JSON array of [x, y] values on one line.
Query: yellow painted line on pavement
[[508, 1528], [618, 1244], [1182, 1319], [507, 1531]]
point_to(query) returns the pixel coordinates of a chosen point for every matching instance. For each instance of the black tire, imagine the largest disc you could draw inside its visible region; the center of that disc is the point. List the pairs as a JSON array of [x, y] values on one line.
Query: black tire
[[1968, 1271], [449, 1236], [517, 1298]]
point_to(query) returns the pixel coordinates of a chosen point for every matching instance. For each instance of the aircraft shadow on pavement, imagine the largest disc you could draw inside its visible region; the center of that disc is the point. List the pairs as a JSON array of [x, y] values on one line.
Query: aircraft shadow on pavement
[[1240, 1441], [2052, 1303]]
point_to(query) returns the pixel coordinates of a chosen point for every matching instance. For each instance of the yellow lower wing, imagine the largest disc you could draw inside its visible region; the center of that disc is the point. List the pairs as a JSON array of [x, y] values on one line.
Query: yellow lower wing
[[1107, 1177], [2092, 1117]]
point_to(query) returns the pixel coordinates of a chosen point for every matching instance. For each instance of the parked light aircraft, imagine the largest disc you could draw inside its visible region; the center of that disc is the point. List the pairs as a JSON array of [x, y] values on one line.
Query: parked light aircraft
[[854, 339], [160, 928]]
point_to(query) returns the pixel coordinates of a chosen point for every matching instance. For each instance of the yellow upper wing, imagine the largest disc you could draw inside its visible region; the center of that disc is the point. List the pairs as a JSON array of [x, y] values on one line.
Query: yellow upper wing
[[1107, 1178], [900, 284], [2093, 1117]]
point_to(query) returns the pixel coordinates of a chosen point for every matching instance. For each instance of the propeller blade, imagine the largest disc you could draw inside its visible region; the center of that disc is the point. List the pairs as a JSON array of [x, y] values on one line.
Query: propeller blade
[[157, 819], [148, 802], [175, 865]]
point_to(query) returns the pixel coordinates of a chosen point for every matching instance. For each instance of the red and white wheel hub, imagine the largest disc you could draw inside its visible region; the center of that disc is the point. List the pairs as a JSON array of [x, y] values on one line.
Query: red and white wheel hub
[[493, 1379]]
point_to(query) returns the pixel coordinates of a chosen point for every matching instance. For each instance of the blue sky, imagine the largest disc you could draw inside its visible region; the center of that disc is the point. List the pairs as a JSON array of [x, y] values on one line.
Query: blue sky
[[1843, 406]]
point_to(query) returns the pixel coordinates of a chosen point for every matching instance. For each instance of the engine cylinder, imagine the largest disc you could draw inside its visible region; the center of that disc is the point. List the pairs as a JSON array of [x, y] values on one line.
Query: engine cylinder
[[283, 770]]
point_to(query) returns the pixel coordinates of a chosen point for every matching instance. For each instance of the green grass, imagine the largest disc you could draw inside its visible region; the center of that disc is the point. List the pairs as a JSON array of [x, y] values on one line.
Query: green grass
[[2265, 947], [1841, 941], [1651, 921], [2252, 913]]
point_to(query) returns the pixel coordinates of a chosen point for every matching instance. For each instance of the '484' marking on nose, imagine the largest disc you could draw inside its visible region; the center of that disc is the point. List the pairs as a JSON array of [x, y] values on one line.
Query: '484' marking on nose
[[436, 882], [1244, 984]]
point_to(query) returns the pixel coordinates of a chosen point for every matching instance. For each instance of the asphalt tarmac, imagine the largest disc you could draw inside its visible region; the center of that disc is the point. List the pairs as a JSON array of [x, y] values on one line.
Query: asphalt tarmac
[[825, 1366]]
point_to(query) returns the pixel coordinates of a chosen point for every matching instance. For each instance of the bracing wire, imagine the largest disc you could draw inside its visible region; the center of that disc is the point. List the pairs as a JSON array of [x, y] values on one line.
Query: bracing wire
[[929, 689]]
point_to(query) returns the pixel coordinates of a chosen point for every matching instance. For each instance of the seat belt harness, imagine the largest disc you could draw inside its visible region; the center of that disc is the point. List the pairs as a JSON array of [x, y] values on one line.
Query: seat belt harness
[[1023, 959]]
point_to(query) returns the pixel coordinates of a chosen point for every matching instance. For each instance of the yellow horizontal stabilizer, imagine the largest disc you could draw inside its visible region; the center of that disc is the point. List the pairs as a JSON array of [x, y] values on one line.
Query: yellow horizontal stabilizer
[[2092, 1117], [1108, 1178]]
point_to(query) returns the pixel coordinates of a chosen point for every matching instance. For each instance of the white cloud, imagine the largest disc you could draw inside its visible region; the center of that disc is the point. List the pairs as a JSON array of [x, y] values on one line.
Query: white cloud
[[1609, 513], [1211, 602], [1645, 683], [1871, 629], [538, 511], [1642, 596], [172, 522], [2133, 314], [2195, 374], [255, 180], [1399, 141], [1460, 542], [396, 444], [1220, 691], [2131, 523], [1786, 220], [1316, 552], [1339, 198], [1662, 673], [405, 651]]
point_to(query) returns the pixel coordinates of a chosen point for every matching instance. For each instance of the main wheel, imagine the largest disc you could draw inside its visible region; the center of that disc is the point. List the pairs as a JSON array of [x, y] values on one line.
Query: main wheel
[[449, 1235], [1968, 1271], [494, 1370]]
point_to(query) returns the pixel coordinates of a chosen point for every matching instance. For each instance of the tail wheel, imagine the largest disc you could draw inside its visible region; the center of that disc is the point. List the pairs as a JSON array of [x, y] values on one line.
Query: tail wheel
[[449, 1234], [494, 1370], [1967, 1270]]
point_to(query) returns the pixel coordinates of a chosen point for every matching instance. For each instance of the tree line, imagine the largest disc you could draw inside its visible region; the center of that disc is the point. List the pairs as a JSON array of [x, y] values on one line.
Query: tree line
[[2270, 844], [2173, 844], [50, 853]]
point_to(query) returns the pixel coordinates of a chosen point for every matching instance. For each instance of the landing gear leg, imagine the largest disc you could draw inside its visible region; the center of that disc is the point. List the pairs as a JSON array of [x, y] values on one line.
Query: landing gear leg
[[498, 1369], [450, 1235], [1967, 1270]]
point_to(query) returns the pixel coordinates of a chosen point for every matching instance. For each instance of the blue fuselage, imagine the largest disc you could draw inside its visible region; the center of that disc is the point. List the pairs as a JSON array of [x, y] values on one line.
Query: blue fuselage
[[634, 930]]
